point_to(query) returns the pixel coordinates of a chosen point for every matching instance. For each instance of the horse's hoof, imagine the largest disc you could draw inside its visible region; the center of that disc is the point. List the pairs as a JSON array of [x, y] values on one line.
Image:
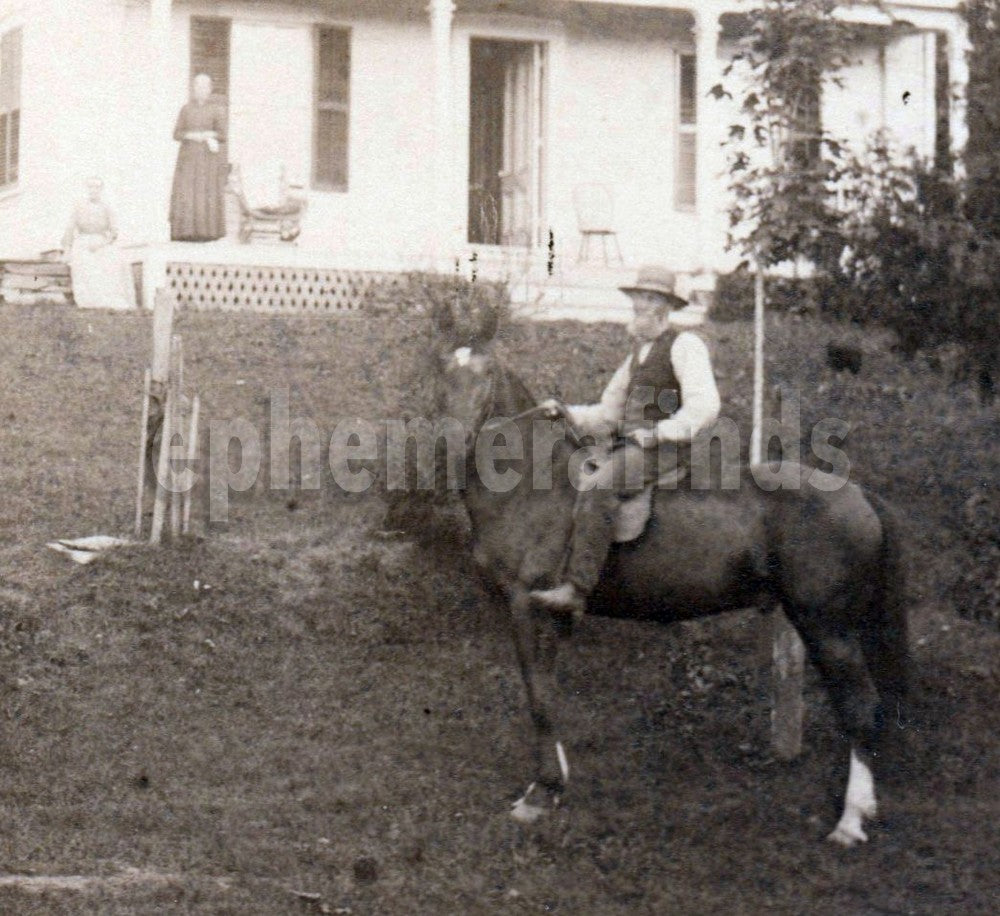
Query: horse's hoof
[[847, 836], [526, 813], [531, 806]]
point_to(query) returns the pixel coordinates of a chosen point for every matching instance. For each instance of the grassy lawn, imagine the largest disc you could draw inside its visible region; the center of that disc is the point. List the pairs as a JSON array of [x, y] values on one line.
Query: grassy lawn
[[330, 722]]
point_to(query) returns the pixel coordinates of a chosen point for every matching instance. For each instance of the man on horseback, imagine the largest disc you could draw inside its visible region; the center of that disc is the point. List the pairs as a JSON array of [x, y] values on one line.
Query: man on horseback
[[659, 398]]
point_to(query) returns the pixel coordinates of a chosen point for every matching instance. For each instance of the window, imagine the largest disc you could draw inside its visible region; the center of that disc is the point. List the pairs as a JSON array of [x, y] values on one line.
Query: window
[[210, 51], [942, 105], [10, 107], [331, 108], [804, 142], [686, 183]]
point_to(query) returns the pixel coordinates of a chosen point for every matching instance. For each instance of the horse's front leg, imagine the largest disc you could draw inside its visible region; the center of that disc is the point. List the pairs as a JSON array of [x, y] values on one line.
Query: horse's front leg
[[535, 639]]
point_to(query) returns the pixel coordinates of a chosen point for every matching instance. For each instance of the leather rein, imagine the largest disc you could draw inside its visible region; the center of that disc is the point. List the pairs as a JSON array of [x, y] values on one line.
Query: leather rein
[[492, 422]]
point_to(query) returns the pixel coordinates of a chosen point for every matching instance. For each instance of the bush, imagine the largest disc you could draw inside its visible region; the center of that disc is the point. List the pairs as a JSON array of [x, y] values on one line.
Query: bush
[[428, 294], [977, 589], [418, 301], [734, 296]]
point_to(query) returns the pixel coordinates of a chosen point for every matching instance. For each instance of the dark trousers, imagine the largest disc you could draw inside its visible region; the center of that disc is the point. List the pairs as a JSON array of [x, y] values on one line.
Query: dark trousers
[[620, 474]]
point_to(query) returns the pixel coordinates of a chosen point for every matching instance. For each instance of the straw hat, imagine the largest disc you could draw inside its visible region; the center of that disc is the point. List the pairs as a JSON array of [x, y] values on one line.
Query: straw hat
[[655, 279]]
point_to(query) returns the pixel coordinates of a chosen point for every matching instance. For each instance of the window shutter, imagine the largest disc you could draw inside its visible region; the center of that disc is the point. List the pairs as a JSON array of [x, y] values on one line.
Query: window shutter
[[688, 92], [686, 162], [686, 193], [332, 107], [10, 105], [3, 149], [13, 145], [210, 51]]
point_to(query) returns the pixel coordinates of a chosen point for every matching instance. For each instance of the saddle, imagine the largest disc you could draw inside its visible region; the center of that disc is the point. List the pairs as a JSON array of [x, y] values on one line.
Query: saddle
[[634, 511]]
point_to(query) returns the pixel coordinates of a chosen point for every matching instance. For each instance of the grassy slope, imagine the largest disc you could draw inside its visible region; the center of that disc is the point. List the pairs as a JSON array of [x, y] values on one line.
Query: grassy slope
[[333, 698]]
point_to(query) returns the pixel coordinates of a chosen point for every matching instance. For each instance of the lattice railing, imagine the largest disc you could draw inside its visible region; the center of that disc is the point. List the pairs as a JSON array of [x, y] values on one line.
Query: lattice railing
[[284, 290]]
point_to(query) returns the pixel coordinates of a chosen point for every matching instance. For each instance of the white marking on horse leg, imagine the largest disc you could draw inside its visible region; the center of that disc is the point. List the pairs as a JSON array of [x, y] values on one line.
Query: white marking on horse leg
[[859, 803], [524, 811], [563, 762]]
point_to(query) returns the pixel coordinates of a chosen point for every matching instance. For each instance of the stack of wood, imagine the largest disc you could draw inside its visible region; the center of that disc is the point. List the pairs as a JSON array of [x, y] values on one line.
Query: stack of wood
[[37, 278], [166, 412]]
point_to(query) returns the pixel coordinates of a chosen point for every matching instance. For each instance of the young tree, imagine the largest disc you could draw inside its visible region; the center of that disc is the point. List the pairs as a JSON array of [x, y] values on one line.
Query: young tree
[[783, 163]]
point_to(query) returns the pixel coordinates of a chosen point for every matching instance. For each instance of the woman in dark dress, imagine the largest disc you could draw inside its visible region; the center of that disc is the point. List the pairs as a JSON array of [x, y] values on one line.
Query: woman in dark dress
[[197, 203]]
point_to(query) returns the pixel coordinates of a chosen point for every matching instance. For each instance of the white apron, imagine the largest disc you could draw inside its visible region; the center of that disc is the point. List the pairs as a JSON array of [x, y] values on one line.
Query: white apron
[[101, 279]]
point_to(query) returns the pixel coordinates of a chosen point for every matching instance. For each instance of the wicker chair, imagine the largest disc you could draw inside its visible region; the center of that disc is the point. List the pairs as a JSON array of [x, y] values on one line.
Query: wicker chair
[[281, 223]]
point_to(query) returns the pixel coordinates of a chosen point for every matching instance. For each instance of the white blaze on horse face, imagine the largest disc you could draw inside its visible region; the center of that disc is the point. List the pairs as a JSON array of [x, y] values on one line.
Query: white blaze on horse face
[[859, 804]]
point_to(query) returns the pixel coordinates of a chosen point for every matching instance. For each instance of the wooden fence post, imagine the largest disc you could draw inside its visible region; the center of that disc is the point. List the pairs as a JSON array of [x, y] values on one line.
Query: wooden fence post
[[786, 649], [163, 323]]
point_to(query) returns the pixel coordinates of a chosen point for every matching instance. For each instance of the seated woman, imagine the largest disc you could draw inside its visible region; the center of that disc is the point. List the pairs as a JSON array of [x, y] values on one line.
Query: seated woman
[[101, 277]]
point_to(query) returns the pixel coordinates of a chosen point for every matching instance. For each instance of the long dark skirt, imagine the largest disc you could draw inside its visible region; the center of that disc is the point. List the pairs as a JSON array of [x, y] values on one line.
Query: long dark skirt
[[197, 202]]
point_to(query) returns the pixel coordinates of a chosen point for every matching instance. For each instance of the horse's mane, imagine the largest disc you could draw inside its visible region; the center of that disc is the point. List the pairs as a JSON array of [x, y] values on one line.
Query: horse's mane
[[512, 395], [513, 398]]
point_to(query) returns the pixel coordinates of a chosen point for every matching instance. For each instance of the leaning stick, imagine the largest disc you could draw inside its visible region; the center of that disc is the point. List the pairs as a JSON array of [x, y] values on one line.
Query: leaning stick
[[143, 441], [192, 454], [162, 471], [176, 422]]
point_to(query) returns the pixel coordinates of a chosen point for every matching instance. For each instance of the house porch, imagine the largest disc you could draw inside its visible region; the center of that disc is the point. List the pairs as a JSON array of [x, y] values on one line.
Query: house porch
[[292, 280]]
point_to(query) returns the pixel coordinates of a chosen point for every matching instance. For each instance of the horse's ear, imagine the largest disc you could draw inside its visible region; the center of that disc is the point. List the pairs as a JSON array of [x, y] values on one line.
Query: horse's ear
[[442, 329], [487, 328], [443, 319]]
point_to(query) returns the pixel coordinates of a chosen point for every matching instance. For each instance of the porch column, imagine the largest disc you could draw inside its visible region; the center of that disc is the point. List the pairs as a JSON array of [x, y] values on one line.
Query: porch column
[[958, 74], [161, 151], [709, 160], [442, 228], [161, 123]]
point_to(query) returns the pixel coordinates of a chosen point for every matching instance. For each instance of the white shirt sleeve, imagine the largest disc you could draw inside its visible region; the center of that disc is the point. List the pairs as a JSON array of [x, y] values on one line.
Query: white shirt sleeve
[[604, 417], [699, 395]]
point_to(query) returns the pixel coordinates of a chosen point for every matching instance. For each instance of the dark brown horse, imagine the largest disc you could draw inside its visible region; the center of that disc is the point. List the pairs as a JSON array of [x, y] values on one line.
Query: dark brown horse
[[824, 550]]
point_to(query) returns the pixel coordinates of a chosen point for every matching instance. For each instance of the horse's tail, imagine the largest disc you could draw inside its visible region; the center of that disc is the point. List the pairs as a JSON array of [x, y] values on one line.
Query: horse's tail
[[886, 631]]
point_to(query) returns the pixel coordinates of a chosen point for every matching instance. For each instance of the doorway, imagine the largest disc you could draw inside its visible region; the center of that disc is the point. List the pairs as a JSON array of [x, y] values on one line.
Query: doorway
[[506, 142]]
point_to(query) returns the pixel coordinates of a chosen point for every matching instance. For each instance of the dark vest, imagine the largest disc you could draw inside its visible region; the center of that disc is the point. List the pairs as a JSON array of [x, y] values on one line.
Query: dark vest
[[654, 393]]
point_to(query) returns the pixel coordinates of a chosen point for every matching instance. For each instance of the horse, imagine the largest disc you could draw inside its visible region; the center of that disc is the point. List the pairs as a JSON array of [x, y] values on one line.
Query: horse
[[825, 551]]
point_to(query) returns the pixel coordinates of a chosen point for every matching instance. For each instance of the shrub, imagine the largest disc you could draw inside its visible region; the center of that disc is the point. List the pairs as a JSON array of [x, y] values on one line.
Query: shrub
[[977, 588], [417, 301], [734, 295]]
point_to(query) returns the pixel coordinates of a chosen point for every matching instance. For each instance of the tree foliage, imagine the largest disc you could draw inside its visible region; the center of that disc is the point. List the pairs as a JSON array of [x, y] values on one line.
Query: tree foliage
[[892, 239], [895, 240], [782, 162]]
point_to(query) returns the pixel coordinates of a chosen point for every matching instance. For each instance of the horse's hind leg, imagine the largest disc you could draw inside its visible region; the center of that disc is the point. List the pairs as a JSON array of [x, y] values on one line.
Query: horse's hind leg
[[535, 639], [841, 662]]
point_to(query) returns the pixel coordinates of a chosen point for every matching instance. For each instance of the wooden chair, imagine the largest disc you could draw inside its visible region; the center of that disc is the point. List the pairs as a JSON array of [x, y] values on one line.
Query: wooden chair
[[595, 216]]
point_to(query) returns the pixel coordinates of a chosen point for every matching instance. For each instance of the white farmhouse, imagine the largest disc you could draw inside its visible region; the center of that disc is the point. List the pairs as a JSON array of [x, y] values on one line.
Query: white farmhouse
[[426, 133]]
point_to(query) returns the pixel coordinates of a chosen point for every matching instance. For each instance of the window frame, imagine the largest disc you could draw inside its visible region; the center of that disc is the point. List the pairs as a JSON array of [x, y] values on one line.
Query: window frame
[[805, 132]]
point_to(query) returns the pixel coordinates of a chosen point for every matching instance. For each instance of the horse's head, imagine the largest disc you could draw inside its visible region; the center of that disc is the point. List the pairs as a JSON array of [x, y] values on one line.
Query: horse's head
[[469, 369]]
